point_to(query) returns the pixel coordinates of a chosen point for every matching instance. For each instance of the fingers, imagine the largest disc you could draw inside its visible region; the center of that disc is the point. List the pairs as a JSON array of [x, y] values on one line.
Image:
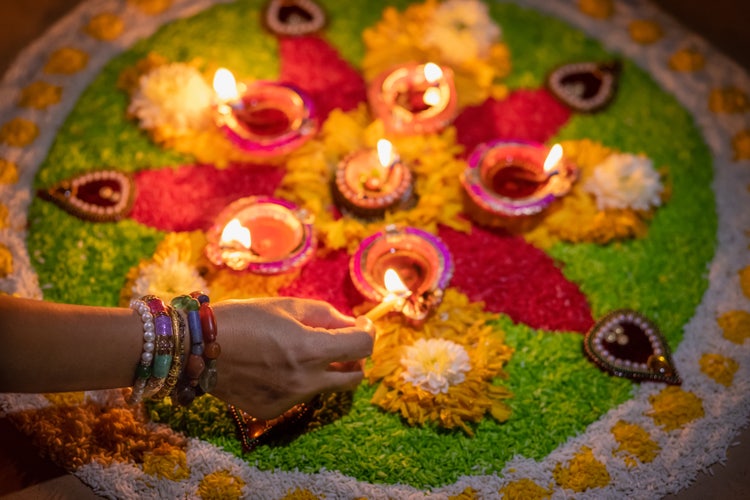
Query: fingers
[[334, 381], [318, 314], [344, 344]]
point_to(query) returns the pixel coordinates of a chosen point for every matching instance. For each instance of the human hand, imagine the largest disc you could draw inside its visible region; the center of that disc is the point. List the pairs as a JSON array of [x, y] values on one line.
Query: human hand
[[279, 352]]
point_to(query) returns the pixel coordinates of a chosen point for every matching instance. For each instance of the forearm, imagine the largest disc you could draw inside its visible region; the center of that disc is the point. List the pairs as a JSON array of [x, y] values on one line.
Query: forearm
[[49, 347]]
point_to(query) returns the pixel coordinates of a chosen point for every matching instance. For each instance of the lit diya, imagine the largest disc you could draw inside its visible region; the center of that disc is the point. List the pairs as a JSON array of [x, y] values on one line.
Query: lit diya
[[369, 182], [403, 270], [261, 234], [414, 98], [264, 118], [511, 181]]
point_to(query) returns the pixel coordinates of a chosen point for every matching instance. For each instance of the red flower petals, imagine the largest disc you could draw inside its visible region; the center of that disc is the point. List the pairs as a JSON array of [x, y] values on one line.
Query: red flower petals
[[311, 64], [517, 279], [529, 115], [190, 197]]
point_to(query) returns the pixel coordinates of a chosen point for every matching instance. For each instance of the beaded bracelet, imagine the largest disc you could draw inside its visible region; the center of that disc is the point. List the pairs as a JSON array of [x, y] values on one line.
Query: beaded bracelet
[[143, 369], [163, 345], [178, 327]]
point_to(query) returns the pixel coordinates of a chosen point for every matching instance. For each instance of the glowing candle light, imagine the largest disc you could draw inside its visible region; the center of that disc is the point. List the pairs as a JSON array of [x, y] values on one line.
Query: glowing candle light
[[553, 160], [225, 85], [432, 72], [394, 300]]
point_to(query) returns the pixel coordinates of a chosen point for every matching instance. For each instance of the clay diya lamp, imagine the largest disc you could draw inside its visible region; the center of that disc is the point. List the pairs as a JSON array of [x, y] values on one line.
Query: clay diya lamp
[[368, 182], [262, 235], [263, 118], [414, 98], [512, 183], [403, 270]]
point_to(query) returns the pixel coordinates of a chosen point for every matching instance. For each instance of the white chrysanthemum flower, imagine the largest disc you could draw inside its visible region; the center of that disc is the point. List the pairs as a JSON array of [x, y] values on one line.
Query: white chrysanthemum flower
[[174, 95], [625, 181], [435, 364], [168, 278], [462, 30]]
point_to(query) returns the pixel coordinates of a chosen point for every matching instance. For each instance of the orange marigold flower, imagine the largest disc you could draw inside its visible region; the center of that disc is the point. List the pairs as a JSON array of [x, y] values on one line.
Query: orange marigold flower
[[745, 281], [18, 132], [66, 61], [644, 31], [728, 100], [6, 261], [598, 9], [687, 60], [151, 6], [105, 27], [8, 172], [40, 95]]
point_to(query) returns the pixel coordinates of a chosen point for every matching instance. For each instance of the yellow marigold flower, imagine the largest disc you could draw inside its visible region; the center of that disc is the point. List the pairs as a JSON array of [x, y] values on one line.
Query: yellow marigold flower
[[399, 38], [129, 78], [66, 61], [469, 493], [728, 100], [736, 326], [457, 321], [6, 261], [151, 6], [524, 489], [18, 132], [432, 159], [687, 60], [644, 31], [719, 368], [65, 398], [636, 441], [673, 408], [166, 462], [576, 218], [745, 281], [582, 473], [220, 485], [8, 172], [105, 27], [598, 9], [40, 95], [300, 494]]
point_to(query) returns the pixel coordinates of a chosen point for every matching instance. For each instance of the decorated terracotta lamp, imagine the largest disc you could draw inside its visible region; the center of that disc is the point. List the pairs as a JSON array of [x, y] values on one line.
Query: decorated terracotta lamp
[[370, 182], [414, 98], [403, 270], [511, 183], [262, 235], [263, 118]]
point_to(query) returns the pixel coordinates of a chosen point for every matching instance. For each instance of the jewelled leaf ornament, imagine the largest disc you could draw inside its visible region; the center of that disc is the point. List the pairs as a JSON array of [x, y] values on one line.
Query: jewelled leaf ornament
[[585, 87], [99, 196], [294, 17], [627, 344]]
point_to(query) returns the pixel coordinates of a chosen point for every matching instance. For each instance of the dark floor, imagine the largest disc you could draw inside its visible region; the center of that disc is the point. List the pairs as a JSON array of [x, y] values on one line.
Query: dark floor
[[24, 475]]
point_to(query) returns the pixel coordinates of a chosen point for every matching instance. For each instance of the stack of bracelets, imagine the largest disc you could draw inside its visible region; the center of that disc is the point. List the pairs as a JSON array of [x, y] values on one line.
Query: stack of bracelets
[[164, 368]]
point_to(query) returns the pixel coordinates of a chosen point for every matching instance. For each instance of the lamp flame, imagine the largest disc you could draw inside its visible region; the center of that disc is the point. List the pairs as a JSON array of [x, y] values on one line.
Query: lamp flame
[[394, 285], [431, 96], [432, 72], [553, 158], [385, 153], [225, 85], [233, 232]]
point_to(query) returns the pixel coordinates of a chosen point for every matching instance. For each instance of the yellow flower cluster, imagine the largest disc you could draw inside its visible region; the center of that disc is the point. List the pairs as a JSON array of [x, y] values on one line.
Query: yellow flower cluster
[[524, 489], [687, 60], [166, 461], [719, 368], [432, 159], [464, 323], [575, 218], [8, 172], [151, 7], [645, 32], [736, 326], [583, 472], [598, 9], [636, 441], [399, 38], [223, 284], [673, 408], [728, 100], [105, 27], [6, 261], [66, 61], [40, 95], [220, 485], [18, 132]]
